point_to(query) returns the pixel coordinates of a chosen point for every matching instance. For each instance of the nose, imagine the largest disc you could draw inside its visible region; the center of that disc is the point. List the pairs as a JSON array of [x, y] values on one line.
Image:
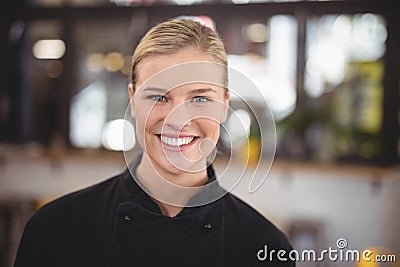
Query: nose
[[178, 116]]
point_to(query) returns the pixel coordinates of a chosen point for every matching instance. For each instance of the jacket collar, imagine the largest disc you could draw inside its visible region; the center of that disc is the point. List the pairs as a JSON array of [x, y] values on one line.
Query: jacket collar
[[138, 196]]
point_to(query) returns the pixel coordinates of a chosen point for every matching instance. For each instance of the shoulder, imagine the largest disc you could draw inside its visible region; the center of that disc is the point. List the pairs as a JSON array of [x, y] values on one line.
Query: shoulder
[[73, 204], [65, 227], [253, 225]]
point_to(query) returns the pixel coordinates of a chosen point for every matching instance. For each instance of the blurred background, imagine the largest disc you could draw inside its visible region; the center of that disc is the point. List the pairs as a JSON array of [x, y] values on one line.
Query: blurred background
[[330, 71]]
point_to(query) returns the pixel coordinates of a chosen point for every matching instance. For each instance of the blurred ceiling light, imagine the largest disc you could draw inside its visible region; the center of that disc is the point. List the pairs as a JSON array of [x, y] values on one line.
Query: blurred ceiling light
[[118, 135], [114, 61], [255, 32], [240, 1], [49, 49], [184, 2], [95, 62]]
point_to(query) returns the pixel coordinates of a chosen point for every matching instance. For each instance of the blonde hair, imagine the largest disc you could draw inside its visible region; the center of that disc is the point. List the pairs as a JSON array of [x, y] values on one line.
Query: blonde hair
[[171, 36]]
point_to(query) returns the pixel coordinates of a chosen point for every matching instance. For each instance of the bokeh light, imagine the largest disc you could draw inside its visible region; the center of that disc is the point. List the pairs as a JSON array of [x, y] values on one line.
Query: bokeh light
[[95, 62], [49, 49], [118, 135], [114, 61]]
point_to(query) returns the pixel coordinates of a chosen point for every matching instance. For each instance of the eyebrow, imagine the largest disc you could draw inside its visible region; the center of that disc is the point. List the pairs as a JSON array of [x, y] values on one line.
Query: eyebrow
[[194, 91], [202, 90], [155, 89]]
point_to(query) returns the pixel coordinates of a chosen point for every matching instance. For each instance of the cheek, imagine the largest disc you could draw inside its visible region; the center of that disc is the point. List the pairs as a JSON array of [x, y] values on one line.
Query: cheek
[[146, 122], [132, 107], [210, 129], [139, 131], [140, 122]]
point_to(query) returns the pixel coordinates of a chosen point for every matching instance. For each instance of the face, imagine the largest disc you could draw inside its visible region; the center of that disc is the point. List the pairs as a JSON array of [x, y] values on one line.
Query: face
[[177, 125]]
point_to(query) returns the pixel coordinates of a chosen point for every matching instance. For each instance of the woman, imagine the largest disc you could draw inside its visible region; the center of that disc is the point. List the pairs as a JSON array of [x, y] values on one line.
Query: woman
[[162, 210]]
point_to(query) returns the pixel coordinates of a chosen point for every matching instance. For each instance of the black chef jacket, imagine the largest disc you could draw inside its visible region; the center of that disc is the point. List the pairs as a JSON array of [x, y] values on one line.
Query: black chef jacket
[[115, 223]]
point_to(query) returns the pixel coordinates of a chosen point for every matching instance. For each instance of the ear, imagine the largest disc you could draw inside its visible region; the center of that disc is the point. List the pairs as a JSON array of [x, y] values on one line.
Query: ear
[[226, 102], [131, 92]]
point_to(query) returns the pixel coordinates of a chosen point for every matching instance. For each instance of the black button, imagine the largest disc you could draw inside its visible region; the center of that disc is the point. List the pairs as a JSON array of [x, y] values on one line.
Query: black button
[[207, 226]]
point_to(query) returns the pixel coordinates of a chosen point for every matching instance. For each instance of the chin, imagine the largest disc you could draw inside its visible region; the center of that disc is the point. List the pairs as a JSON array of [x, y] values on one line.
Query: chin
[[177, 166]]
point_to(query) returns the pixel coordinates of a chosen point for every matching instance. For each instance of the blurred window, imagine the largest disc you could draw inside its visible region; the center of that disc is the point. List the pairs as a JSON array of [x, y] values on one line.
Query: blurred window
[[337, 117], [270, 62], [265, 51], [103, 60], [340, 116], [88, 116]]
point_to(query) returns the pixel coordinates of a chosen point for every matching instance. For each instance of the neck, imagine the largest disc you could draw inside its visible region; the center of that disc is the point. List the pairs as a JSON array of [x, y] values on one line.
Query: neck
[[170, 191]]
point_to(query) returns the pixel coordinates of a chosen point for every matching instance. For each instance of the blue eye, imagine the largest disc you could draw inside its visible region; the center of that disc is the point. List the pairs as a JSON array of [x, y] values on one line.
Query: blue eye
[[201, 99], [157, 98]]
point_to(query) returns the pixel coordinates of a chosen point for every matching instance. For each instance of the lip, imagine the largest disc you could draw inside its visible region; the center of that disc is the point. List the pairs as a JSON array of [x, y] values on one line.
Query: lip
[[175, 135], [180, 148]]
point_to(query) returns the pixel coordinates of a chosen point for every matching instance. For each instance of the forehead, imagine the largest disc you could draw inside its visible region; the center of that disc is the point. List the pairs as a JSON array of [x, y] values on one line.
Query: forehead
[[196, 88], [154, 65]]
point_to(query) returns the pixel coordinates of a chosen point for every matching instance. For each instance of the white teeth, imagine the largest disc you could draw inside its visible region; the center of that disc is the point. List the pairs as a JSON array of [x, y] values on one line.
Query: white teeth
[[176, 141]]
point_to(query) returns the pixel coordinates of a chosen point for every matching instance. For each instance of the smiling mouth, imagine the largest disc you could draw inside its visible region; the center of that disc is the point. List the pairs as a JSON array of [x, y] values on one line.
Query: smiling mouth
[[177, 142]]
